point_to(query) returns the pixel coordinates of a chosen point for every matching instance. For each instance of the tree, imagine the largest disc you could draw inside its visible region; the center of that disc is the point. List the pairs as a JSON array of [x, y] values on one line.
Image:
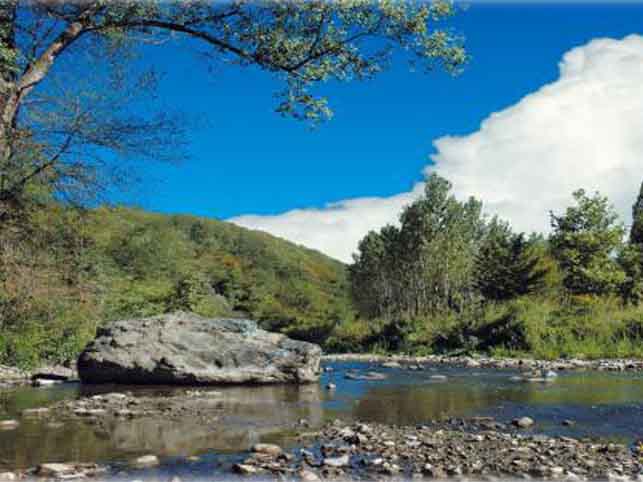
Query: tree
[[636, 232], [439, 238], [63, 141], [585, 241], [506, 267], [631, 258], [426, 265]]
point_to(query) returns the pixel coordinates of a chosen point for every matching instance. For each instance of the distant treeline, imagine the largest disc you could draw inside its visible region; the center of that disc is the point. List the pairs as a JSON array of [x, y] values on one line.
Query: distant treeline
[[449, 278]]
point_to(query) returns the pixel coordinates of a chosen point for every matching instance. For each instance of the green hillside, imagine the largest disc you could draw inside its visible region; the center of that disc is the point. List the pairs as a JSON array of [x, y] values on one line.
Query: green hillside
[[64, 273]]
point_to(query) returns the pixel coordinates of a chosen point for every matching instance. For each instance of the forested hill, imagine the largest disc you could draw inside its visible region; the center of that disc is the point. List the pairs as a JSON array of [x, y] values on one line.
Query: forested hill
[[73, 271]]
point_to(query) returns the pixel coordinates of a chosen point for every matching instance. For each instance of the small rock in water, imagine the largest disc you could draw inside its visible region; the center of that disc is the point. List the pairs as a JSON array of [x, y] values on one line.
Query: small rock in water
[[391, 364], [550, 374], [337, 461], [331, 386], [268, 449], [438, 377], [328, 369], [523, 422], [245, 469], [9, 424], [146, 461], [568, 423]]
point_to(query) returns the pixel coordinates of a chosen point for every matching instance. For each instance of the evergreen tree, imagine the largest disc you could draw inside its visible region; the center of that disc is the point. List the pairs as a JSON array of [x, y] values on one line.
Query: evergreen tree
[[631, 259], [506, 266]]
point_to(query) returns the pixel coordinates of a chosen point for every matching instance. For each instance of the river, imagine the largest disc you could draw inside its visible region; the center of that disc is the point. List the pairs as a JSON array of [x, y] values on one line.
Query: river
[[599, 405]]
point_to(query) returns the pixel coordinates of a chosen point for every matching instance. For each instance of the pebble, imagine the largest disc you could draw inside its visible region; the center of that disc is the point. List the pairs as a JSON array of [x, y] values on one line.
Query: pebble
[[245, 469], [341, 461], [523, 422], [55, 470], [268, 449], [331, 386], [146, 461], [308, 476]]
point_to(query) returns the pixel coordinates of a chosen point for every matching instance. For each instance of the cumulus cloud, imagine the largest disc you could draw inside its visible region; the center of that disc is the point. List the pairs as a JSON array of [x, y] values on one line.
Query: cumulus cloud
[[583, 130]]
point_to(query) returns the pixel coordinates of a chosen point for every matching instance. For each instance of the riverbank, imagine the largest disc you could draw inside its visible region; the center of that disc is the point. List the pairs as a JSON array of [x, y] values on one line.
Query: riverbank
[[472, 449], [475, 449], [525, 364]]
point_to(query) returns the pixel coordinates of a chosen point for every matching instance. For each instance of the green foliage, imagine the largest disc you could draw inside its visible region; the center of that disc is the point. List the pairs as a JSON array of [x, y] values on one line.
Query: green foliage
[[424, 266], [584, 241], [506, 265], [476, 286], [117, 263], [636, 232]]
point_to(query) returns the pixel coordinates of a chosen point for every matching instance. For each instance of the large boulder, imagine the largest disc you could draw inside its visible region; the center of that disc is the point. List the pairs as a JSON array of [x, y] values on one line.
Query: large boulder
[[186, 349]]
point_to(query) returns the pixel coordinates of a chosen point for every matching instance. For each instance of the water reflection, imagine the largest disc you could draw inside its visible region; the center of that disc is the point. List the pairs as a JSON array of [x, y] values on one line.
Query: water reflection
[[602, 404]]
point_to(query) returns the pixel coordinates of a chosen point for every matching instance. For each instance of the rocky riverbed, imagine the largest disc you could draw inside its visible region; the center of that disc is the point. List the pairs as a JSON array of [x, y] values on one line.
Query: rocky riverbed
[[478, 448], [482, 362], [475, 449]]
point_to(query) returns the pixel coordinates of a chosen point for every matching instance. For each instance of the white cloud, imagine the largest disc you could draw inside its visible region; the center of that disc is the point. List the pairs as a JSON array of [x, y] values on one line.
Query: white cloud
[[583, 130]]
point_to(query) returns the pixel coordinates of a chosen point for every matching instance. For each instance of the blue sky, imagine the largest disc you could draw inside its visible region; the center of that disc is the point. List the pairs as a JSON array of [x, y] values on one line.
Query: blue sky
[[247, 159]]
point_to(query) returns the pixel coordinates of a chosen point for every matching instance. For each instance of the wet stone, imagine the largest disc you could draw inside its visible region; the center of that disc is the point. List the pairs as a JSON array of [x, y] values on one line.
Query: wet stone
[[146, 461]]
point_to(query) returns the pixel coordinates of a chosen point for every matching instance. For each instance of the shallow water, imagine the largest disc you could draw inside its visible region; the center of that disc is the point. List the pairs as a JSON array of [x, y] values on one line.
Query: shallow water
[[603, 405]]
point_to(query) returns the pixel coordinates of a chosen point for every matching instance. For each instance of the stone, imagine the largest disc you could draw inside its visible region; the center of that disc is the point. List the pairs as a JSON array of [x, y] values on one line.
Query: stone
[[308, 476], [245, 469], [146, 461], [35, 412], [391, 364], [523, 422], [369, 376], [55, 470], [268, 449], [569, 423], [331, 386], [186, 349], [8, 476], [9, 424], [341, 461], [438, 377]]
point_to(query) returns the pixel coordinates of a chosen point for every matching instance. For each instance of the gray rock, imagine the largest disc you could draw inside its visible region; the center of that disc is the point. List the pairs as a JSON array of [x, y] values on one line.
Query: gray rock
[[55, 470], [186, 349], [268, 449], [523, 422], [146, 461], [341, 461], [368, 376], [308, 476]]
